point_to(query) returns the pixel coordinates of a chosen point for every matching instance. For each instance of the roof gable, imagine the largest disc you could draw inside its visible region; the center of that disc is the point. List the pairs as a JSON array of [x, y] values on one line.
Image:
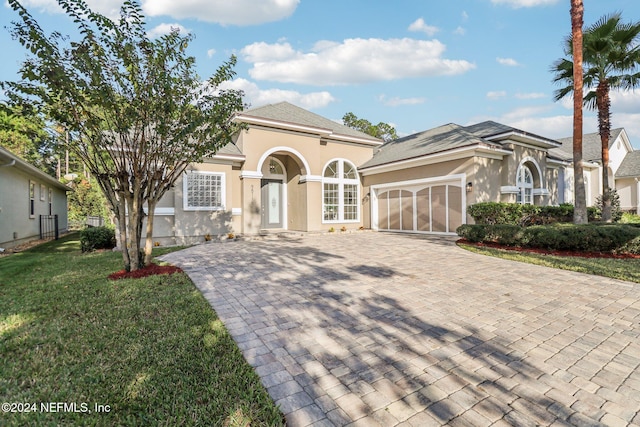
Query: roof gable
[[591, 146], [284, 114]]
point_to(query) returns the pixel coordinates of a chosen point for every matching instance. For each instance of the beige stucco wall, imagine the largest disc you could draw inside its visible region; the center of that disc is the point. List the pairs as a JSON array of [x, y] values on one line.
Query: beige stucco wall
[[628, 191], [14, 207], [304, 157]]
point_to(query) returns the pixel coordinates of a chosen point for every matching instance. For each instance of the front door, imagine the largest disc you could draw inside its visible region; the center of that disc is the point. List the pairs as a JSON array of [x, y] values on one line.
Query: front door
[[271, 203]]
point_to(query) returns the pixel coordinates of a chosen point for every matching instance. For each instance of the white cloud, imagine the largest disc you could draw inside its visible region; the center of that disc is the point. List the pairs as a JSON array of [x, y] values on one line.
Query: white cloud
[[396, 101], [531, 95], [460, 31], [162, 29], [465, 15], [210, 53], [224, 12], [497, 94], [352, 61], [625, 101], [255, 96], [110, 8], [525, 3], [509, 62], [420, 26]]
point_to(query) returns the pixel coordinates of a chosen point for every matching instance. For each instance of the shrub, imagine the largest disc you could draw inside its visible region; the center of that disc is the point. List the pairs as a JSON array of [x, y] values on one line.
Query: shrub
[[93, 238], [616, 211], [567, 237]]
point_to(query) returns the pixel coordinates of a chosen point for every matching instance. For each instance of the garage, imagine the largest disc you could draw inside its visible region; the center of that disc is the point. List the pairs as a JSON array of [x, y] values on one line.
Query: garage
[[435, 205]]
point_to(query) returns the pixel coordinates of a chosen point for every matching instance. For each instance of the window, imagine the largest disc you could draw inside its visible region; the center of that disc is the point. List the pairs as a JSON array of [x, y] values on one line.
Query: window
[[32, 199], [524, 183], [203, 191], [50, 201], [340, 192], [42, 192]]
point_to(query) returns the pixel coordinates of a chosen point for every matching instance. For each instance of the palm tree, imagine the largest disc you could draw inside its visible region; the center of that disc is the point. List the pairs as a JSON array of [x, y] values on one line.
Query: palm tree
[[611, 57]]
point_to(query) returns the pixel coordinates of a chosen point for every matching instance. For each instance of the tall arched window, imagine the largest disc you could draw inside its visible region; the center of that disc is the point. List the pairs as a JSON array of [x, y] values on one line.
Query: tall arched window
[[340, 192], [524, 183]]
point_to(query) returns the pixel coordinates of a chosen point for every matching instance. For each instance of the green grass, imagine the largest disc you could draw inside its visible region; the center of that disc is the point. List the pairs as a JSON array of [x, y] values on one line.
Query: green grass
[[151, 349], [623, 269]]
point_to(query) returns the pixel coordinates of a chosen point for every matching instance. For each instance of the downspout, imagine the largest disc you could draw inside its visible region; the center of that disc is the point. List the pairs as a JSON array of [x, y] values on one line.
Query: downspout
[[11, 163], [637, 195]]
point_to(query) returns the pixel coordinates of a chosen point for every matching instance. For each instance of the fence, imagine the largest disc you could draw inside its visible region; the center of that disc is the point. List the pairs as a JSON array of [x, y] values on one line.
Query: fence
[[95, 221], [49, 227]]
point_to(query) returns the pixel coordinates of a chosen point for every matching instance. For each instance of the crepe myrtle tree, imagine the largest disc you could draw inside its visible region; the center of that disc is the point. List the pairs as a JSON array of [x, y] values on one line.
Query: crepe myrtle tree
[[136, 109]]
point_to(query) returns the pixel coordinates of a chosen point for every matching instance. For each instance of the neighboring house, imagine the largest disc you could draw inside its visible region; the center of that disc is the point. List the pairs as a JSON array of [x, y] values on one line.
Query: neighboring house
[[624, 168], [29, 198], [290, 169]]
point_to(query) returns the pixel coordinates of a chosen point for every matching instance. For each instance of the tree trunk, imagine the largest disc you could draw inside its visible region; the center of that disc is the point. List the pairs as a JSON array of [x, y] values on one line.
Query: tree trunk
[[122, 225], [148, 247], [604, 126], [134, 228], [580, 202]]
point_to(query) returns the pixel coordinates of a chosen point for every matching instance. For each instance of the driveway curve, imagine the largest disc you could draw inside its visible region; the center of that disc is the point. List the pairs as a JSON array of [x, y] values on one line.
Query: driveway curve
[[384, 329]]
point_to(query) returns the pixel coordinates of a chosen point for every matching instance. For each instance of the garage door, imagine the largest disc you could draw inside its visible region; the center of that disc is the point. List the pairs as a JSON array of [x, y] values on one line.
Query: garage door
[[426, 208]]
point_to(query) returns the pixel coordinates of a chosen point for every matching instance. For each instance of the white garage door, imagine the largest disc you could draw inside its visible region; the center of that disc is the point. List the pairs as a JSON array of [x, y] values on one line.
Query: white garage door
[[428, 207]]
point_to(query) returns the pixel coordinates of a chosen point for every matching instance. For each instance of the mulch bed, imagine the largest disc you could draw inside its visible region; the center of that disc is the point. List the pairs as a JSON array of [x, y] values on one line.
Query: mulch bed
[[149, 270], [541, 251]]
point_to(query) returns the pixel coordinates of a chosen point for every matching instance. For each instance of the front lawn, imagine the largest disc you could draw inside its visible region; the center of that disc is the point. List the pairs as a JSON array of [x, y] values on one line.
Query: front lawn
[[623, 269], [130, 352]]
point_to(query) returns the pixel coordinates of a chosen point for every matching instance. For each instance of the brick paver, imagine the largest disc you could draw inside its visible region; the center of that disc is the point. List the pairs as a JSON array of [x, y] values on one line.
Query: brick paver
[[384, 329]]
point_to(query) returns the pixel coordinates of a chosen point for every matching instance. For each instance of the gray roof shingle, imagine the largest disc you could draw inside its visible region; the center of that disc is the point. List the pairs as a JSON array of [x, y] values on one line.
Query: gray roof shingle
[[630, 166], [289, 113], [442, 138], [591, 146]]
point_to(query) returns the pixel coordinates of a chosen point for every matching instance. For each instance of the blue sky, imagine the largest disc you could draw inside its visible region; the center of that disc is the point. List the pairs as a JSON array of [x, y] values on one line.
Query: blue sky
[[415, 64]]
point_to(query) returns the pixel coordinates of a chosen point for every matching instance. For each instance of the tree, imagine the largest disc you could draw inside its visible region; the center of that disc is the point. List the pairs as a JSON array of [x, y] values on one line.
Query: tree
[[572, 70], [382, 130], [611, 58], [26, 136], [135, 108]]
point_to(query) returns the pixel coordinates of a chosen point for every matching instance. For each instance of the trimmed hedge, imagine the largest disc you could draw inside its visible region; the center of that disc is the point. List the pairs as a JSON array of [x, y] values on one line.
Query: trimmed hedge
[[93, 238], [618, 238], [491, 213]]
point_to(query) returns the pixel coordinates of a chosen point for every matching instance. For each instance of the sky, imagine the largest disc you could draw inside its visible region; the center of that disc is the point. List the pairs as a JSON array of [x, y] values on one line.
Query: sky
[[414, 64]]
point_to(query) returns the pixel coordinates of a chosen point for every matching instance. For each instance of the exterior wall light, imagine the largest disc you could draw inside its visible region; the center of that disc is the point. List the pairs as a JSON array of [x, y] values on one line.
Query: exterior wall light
[[469, 187]]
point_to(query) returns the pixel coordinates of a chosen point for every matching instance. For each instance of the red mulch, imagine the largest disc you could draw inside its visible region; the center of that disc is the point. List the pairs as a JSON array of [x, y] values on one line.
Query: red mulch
[[149, 270], [552, 252]]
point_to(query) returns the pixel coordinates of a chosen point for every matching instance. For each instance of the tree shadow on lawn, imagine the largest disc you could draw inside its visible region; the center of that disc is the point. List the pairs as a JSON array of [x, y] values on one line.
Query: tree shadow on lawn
[[328, 339]]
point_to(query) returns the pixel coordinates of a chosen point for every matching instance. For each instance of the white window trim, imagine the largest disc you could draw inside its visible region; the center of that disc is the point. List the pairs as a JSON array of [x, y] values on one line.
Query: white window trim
[[42, 190], [223, 195], [341, 181], [32, 199], [523, 186]]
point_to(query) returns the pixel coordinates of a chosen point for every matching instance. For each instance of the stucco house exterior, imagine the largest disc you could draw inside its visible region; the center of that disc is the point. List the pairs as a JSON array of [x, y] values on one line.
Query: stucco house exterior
[[424, 182], [27, 197], [624, 168], [291, 169]]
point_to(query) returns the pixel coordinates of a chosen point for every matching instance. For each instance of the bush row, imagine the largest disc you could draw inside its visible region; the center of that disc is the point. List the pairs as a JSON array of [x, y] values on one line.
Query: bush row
[[524, 215], [93, 238], [588, 237]]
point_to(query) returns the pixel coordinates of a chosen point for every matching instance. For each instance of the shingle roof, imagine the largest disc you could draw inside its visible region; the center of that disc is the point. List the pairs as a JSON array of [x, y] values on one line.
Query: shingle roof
[[630, 166], [591, 146], [289, 113], [440, 139]]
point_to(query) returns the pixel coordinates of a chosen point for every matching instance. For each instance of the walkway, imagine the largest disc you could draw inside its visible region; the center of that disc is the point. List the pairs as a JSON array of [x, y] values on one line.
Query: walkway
[[368, 329]]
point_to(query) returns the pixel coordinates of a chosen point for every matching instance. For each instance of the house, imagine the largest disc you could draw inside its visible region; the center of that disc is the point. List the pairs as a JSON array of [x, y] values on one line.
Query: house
[[290, 169], [30, 202], [624, 168], [424, 182]]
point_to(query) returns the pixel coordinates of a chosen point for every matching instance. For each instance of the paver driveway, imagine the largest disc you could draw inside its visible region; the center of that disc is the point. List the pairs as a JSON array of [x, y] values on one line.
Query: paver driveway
[[383, 329]]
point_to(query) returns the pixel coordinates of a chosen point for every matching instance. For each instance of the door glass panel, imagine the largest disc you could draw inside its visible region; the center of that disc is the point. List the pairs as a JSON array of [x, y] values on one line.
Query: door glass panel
[[274, 202]]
